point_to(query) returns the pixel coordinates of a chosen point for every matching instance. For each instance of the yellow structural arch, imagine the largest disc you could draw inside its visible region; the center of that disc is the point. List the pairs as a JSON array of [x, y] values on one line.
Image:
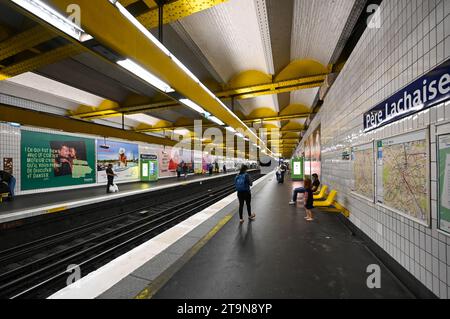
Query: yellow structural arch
[[301, 68], [249, 78], [295, 109]]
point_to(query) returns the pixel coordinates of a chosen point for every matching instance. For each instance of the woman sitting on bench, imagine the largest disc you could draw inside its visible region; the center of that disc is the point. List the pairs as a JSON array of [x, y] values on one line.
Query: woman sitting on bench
[[301, 190]]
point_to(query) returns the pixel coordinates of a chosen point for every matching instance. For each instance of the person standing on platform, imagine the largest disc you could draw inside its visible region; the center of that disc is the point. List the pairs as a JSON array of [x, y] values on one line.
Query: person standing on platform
[[211, 169], [224, 169], [110, 175], [179, 169], [309, 200], [243, 184], [185, 170], [10, 180]]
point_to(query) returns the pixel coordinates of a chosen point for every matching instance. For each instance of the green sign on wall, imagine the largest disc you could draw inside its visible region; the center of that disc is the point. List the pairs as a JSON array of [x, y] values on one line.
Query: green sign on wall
[[53, 160], [444, 183], [149, 168], [297, 169]]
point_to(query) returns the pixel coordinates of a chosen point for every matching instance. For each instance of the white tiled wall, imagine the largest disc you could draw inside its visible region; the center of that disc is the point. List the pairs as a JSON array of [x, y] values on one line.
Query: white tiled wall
[[413, 39]]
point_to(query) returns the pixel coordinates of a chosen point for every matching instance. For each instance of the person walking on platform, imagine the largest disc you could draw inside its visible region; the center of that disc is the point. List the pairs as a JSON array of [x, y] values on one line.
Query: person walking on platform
[[315, 187], [243, 184], [309, 200], [110, 175], [179, 169], [185, 170], [224, 169], [10, 180]]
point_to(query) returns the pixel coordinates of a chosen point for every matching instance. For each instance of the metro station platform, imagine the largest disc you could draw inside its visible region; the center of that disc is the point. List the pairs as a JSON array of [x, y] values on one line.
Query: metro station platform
[[32, 205], [280, 255]]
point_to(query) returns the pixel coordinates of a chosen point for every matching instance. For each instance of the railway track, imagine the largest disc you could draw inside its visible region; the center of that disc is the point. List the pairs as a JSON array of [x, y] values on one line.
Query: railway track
[[38, 269]]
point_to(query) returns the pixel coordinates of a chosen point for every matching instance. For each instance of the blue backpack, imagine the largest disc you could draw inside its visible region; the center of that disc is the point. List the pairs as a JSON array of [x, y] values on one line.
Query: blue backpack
[[241, 183]]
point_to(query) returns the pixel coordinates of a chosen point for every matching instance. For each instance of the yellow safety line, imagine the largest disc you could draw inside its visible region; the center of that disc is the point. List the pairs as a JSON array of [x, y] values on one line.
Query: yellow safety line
[[56, 210], [162, 279]]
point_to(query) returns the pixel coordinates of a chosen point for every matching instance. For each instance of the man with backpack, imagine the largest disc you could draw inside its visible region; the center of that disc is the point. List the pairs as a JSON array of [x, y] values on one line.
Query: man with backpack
[[243, 184]]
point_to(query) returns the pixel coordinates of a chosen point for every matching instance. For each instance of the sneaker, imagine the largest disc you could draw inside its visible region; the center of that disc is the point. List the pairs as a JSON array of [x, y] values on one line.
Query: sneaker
[[253, 217], [241, 221], [309, 219], [292, 203]]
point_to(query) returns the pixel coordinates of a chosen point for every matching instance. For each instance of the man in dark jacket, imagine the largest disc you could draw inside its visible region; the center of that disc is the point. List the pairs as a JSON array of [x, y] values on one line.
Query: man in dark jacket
[[9, 180]]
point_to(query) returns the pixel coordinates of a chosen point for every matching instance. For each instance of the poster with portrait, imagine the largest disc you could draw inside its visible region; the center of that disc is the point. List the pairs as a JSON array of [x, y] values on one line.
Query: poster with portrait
[[123, 156], [55, 160]]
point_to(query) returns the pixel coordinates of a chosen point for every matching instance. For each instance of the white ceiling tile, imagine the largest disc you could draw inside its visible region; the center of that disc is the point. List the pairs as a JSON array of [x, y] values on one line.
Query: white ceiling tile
[[305, 97], [317, 27], [233, 36], [265, 101], [58, 89]]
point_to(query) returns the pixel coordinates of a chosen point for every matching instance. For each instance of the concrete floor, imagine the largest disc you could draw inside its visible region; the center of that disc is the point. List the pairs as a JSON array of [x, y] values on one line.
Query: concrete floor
[[280, 255]]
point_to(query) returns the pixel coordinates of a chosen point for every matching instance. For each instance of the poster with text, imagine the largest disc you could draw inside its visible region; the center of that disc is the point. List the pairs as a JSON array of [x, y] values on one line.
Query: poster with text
[[123, 156], [444, 183], [54, 160]]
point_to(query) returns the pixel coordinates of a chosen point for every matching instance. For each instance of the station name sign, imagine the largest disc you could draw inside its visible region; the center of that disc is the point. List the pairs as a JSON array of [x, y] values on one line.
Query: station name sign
[[429, 90]]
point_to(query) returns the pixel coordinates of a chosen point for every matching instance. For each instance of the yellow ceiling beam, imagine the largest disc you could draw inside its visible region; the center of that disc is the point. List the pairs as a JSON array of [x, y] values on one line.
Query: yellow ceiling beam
[[190, 126], [278, 118], [176, 10], [40, 61], [41, 119], [274, 88], [109, 27], [24, 41]]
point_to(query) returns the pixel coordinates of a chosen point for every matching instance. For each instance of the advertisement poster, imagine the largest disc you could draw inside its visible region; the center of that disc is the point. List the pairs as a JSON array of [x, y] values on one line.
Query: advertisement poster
[[164, 161], [315, 153], [123, 156], [444, 183], [53, 160]]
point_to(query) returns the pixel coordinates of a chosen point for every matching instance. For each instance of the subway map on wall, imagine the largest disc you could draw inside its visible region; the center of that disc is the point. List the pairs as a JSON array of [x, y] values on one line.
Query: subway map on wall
[[363, 170], [404, 162]]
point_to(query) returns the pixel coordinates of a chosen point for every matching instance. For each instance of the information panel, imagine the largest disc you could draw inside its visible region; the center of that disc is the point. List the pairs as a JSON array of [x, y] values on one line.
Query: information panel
[[363, 170], [297, 169], [444, 183], [54, 160], [403, 175]]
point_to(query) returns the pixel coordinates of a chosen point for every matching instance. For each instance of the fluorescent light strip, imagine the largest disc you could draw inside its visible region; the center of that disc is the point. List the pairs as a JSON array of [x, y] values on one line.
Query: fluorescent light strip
[[239, 135], [230, 129], [138, 25], [215, 120], [51, 16], [184, 68], [193, 106], [145, 75]]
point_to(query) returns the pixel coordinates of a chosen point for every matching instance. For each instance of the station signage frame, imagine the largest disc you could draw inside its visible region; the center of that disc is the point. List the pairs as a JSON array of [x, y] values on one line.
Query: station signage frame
[[429, 90]]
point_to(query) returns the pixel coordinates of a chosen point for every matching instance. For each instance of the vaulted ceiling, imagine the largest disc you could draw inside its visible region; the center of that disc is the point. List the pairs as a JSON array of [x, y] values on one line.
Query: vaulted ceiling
[[265, 59]]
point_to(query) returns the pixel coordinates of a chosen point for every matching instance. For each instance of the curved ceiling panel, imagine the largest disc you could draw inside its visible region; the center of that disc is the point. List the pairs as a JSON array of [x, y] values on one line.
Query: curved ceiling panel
[[317, 27], [264, 101], [236, 37], [305, 97]]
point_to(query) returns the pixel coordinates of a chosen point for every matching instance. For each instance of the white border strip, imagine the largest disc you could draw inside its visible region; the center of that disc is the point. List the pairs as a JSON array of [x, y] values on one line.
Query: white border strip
[[73, 204], [102, 279]]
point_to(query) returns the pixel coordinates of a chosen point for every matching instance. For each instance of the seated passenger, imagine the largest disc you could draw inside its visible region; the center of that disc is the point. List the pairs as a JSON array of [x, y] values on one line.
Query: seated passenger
[[10, 181], [301, 190]]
